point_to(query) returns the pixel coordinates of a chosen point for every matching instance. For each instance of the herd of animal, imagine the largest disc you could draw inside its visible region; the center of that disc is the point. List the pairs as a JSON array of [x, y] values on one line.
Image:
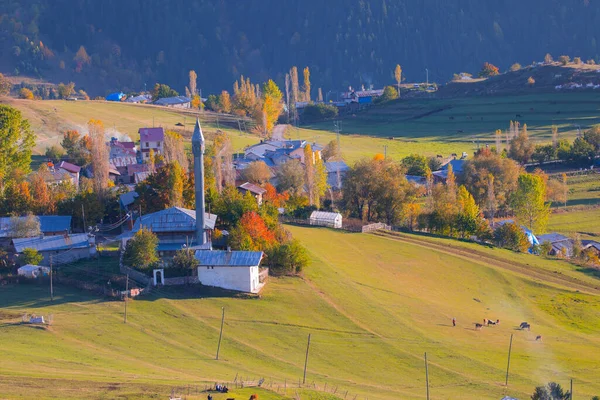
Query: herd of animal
[[488, 322]]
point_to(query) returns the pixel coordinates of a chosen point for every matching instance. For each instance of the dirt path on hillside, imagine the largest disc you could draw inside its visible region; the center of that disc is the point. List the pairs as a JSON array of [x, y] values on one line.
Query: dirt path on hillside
[[479, 256]]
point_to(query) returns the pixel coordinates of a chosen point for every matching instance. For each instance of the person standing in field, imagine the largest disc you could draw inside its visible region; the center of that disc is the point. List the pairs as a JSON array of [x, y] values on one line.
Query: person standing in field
[[453, 321]]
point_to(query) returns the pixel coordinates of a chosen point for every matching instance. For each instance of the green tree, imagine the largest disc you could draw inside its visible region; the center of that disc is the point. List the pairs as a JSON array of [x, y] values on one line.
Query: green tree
[[592, 136], [184, 260], [66, 91], [543, 153], [140, 252], [291, 177], [319, 112], [288, 259], [54, 153], [529, 203], [161, 90], [212, 103], [416, 164], [511, 236], [564, 60], [582, 153], [231, 205], [320, 181], [551, 391], [17, 141], [30, 256]]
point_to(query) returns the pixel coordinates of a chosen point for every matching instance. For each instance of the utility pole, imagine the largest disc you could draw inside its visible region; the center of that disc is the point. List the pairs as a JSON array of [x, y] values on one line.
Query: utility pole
[[126, 298], [427, 74], [427, 375], [51, 287], [337, 127], [306, 360], [385, 152], [508, 365], [571, 390], [83, 218], [221, 333]]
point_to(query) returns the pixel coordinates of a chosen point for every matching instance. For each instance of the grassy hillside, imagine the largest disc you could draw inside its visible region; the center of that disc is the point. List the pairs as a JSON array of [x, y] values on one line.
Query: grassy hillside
[[50, 118], [460, 123], [373, 304]]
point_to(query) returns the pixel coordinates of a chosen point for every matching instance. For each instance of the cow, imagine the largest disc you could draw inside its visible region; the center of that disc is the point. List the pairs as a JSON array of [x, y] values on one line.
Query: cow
[[538, 337], [525, 325], [478, 326], [490, 322]]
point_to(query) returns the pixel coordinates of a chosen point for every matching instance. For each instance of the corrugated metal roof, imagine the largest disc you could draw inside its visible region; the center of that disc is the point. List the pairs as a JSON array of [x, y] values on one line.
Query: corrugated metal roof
[[75, 169], [128, 198], [48, 224], [152, 134], [174, 219], [335, 166], [53, 243], [252, 188], [552, 238], [169, 101], [222, 258], [141, 176]]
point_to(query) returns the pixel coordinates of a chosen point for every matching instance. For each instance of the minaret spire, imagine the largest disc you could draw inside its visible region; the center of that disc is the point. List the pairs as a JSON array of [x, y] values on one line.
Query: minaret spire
[[198, 151]]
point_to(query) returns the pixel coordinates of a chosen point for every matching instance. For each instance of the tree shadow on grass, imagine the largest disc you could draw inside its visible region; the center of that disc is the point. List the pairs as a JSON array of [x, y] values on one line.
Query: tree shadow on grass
[[193, 291], [593, 272], [33, 296]]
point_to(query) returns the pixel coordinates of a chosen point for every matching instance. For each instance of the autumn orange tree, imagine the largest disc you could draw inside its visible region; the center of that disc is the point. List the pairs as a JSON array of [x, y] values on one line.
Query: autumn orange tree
[[251, 233], [488, 70]]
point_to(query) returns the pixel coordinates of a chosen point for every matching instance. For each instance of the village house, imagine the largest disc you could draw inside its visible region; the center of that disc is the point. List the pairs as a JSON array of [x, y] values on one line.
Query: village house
[[132, 170], [362, 97], [59, 176], [59, 249], [256, 191], [175, 228], [151, 139], [561, 245], [140, 99], [50, 225], [232, 270], [72, 169], [336, 172], [175, 102]]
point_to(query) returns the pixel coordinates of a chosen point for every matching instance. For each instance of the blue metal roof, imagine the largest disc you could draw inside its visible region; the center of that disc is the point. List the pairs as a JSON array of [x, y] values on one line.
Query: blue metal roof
[[52, 243], [168, 101], [222, 258], [48, 224], [174, 219]]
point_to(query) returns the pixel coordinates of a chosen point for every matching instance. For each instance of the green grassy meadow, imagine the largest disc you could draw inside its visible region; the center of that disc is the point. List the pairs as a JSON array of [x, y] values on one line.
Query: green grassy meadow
[[372, 303], [444, 126]]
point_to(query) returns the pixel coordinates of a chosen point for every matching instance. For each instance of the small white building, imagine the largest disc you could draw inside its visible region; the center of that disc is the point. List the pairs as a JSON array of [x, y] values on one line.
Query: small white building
[[232, 270], [33, 271], [324, 218]]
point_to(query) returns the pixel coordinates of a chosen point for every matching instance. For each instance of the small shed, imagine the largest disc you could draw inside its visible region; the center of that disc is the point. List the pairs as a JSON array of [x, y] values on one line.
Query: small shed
[[33, 271], [324, 218]]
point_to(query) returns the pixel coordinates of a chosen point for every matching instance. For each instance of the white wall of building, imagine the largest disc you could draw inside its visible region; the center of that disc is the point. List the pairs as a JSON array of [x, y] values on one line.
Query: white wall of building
[[243, 279]]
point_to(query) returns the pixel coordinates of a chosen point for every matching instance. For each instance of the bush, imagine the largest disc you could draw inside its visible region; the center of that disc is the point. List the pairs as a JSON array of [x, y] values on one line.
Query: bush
[[140, 252], [577, 61], [564, 60], [319, 112], [25, 93], [511, 236], [515, 67], [287, 259], [30, 256]]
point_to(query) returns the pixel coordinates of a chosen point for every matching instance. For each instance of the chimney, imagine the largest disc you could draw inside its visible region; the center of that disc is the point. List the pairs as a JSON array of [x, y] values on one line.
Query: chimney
[[198, 151]]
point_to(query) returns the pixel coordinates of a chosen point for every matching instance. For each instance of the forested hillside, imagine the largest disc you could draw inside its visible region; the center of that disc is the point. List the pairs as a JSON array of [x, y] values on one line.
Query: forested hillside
[[127, 44]]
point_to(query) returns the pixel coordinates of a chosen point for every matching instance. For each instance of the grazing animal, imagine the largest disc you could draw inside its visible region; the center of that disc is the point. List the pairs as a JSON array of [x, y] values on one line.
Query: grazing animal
[[439, 156], [478, 326], [391, 138], [490, 322], [525, 325], [519, 116], [538, 337], [485, 321]]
